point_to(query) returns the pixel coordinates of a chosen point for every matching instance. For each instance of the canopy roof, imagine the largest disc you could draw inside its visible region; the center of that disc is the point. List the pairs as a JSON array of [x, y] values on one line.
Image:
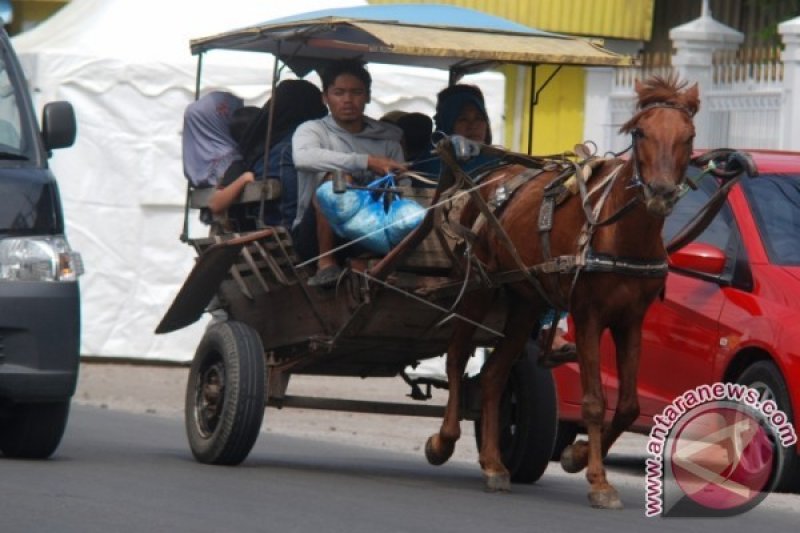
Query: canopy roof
[[445, 37]]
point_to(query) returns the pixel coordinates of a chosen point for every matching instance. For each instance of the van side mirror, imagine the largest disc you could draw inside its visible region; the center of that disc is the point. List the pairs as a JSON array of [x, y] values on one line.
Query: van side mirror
[[58, 125]]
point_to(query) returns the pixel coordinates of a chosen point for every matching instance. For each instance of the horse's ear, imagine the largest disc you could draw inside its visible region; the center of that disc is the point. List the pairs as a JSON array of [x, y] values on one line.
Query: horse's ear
[[691, 98]]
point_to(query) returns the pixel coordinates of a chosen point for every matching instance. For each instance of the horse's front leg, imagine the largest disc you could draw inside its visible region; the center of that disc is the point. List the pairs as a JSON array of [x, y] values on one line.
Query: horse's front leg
[[494, 377], [440, 446], [589, 454], [627, 339]]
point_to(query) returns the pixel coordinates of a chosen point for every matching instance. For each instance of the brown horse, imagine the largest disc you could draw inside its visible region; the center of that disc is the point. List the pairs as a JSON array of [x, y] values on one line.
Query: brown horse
[[613, 234]]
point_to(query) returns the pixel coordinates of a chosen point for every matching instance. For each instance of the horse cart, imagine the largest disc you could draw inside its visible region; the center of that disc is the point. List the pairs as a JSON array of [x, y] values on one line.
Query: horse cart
[[398, 312]]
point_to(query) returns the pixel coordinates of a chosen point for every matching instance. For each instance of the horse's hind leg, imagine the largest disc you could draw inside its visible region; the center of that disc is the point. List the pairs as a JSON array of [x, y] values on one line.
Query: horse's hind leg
[[440, 446], [494, 377]]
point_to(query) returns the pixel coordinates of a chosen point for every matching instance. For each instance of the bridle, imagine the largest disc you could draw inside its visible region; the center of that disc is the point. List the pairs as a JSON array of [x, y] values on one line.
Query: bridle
[[636, 180]]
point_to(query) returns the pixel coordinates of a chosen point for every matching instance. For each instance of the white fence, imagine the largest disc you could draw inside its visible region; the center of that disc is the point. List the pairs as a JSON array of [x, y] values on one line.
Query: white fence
[[749, 98]]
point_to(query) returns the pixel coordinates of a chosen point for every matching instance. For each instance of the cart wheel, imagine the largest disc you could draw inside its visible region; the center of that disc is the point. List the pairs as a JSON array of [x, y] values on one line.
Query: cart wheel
[[566, 433], [528, 419], [225, 394]]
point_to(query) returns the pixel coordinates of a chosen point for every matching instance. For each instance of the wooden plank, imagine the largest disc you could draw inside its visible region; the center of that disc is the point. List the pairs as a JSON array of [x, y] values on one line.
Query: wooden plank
[[431, 254], [209, 271], [269, 188]]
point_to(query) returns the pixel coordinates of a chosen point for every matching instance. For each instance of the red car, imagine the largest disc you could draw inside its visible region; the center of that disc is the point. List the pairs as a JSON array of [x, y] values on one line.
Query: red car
[[731, 311]]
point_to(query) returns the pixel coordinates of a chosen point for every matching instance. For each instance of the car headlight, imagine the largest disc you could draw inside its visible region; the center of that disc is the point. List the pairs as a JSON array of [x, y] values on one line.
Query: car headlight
[[47, 258]]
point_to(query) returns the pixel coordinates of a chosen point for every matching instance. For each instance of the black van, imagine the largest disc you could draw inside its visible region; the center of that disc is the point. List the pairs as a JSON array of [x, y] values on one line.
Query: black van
[[39, 297]]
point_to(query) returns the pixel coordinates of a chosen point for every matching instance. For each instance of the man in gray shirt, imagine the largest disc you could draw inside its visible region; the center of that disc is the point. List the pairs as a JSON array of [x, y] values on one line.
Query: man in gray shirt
[[345, 140]]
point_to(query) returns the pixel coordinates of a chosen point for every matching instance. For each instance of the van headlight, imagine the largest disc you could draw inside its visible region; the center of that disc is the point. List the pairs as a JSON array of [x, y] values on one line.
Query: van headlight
[[47, 258]]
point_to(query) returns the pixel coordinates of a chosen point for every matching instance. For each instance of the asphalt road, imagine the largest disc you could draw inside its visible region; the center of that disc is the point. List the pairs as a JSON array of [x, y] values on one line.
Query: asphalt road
[[122, 472]]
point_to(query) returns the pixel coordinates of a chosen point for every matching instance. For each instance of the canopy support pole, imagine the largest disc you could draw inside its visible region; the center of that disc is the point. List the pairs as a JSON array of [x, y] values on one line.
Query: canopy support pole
[[276, 74], [531, 105], [535, 100], [185, 232], [198, 76]]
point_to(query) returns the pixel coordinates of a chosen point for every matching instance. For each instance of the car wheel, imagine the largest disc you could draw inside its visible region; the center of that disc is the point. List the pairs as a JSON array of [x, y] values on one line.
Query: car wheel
[[528, 419], [765, 377], [34, 430], [225, 394], [566, 434]]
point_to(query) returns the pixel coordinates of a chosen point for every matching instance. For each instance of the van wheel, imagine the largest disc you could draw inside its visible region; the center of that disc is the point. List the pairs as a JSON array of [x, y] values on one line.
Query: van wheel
[[34, 430], [765, 377], [528, 419], [225, 394]]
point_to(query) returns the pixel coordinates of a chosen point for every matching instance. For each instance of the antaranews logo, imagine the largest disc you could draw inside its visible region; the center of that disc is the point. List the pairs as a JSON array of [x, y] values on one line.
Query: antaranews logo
[[713, 452]]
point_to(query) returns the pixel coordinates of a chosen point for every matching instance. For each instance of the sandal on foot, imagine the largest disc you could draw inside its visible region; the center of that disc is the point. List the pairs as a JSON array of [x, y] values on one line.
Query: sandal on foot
[[326, 278]]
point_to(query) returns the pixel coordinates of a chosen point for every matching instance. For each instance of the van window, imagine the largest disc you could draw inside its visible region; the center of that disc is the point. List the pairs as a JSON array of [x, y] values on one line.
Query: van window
[[13, 144], [28, 201]]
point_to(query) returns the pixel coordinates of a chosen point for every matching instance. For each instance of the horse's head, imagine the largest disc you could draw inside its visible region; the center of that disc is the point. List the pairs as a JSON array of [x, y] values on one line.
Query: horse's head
[[662, 133]]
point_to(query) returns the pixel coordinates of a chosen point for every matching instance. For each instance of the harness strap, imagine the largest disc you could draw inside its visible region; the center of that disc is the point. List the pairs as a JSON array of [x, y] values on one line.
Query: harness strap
[[590, 262], [504, 192], [630, 267], [575, 180], [555, 193], [417, 176], [500, 232]]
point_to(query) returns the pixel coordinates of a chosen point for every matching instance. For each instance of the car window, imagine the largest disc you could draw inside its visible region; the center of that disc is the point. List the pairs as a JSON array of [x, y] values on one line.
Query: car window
[[718, 233], [775, 201]]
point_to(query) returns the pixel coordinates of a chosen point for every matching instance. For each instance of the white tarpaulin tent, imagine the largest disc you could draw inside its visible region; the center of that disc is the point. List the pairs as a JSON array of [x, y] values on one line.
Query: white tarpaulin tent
[[126, 68]]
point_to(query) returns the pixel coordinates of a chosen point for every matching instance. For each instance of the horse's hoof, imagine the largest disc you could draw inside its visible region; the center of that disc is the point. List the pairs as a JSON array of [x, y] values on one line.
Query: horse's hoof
[[570, 461], [437, 457], [498, 482], [605, 499]]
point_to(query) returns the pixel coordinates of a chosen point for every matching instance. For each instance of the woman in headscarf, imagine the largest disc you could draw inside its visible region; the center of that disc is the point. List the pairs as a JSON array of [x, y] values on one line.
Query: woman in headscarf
[[460, 110], [208, 146], [296, 101]]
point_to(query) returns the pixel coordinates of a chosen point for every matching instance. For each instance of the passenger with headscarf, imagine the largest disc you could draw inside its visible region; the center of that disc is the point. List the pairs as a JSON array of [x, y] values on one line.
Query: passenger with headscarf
[[208, 146], [461, 110], [296, 101]]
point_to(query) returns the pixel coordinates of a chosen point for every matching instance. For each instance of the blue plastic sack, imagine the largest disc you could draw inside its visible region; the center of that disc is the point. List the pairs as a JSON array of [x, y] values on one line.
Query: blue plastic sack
[[338, 208], [361, 215], [404, 215], [368, 226]]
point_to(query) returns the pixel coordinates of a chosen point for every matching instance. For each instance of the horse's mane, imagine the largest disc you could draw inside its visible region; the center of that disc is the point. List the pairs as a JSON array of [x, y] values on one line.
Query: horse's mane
[[669, 91]]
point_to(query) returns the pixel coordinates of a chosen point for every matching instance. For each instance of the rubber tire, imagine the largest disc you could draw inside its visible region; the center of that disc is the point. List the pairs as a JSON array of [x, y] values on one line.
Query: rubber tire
[[34, 430], [764, 374], [529, 419], [236, 350], [566, 433]]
